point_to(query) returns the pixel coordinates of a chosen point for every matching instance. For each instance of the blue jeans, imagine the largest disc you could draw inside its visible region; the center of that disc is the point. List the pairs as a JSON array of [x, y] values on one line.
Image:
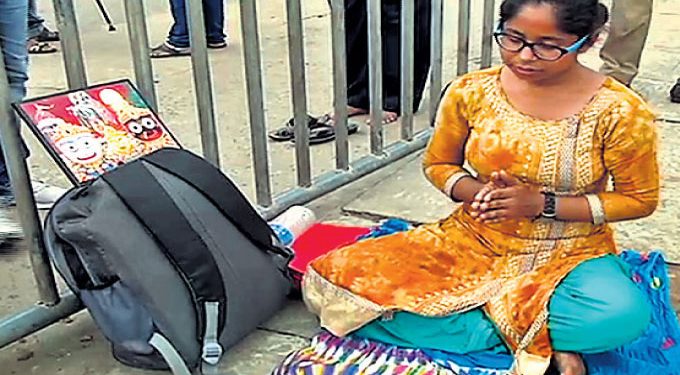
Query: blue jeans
[[36, 23], [13, 36], [213, 11]]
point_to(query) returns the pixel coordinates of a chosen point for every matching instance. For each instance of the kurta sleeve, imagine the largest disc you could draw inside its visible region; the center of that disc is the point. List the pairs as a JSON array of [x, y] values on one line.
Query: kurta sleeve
[[445, 153], [630, 156]]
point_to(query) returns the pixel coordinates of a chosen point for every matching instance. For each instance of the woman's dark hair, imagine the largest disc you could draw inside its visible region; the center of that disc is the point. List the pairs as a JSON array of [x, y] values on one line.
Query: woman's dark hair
[[577, 17]]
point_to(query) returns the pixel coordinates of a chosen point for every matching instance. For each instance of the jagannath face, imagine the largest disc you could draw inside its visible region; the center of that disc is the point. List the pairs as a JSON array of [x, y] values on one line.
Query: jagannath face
[[81, 148], [50, 126], [145, 128]]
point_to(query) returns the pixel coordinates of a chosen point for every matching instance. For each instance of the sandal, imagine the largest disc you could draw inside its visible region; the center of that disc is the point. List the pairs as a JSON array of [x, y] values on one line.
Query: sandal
[[168, 50], [324, 132], [40, 48], [326, 119], [321, 134], [287, 132], [47, 35]]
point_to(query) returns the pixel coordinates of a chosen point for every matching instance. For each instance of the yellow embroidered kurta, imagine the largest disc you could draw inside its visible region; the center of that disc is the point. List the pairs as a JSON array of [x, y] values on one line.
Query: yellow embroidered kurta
[[511, 268]]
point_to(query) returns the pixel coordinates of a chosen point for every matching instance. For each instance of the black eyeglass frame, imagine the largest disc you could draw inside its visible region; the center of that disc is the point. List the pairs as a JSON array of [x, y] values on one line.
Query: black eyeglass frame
[[525, 43]]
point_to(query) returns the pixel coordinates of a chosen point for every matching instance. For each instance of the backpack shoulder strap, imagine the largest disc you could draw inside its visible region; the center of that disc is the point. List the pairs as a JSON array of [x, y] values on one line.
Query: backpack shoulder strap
[[147, 199], [220, 190]]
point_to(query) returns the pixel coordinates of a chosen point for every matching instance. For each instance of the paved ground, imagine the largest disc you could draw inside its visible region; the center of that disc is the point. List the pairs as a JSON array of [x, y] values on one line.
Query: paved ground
[[74, 346]]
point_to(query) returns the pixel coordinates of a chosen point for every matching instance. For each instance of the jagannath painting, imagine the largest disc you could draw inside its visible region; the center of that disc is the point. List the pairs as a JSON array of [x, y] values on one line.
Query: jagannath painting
[[95, 130]]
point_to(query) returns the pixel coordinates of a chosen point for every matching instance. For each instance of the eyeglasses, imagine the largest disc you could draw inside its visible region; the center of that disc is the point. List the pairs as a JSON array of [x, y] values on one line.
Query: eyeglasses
[[542, 51]]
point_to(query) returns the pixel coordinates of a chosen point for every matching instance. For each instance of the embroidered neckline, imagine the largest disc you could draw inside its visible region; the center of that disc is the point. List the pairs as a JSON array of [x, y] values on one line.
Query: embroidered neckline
[[501, 96]]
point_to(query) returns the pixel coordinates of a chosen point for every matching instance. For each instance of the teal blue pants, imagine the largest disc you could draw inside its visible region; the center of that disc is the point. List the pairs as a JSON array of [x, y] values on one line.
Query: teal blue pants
[[595, 309]]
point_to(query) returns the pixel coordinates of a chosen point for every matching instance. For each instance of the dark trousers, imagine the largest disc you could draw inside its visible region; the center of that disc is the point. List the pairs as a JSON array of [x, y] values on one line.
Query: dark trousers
[[357, 52], [213, 13]]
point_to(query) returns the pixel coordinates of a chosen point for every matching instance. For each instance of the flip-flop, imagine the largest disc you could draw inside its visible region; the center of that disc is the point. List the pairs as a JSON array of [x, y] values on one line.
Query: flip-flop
[[166, 50], [287, 131], [322, 132], [47, 35], [40, 48], [326, 119]]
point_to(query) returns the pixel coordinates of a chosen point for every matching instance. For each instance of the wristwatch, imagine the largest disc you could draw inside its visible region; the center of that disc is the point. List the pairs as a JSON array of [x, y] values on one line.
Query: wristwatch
[[549, 207]]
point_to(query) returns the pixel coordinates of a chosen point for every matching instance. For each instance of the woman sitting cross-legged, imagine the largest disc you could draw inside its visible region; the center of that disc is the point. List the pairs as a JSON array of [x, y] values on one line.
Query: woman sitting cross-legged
[[528, 262]]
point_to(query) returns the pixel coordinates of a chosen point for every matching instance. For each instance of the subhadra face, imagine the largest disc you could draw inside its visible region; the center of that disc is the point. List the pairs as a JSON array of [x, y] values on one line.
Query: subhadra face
[[145, 128], [81, 148], [50, 126]]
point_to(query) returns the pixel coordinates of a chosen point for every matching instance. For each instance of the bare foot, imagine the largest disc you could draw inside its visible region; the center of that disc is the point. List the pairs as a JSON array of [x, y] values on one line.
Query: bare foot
[[387, 118], [569, 363], [354, 111], [351, 112]]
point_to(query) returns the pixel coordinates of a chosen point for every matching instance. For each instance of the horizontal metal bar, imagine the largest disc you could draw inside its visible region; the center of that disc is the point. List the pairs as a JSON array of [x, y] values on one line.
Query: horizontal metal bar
[[333, 180], [22, 324]]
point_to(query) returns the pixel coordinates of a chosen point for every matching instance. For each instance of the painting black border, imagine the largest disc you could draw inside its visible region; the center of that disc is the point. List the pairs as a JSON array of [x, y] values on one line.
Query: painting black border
[[46, 142]]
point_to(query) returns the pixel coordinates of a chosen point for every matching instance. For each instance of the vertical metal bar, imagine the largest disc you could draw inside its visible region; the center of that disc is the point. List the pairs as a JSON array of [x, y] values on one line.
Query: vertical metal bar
[[339, 84], [463, 35], [21, 184], [375, 74], [139, 46], [255, 87], [487, 33], [407, 55], [203, 82], [436, 49], [72, 50], [296, 56]]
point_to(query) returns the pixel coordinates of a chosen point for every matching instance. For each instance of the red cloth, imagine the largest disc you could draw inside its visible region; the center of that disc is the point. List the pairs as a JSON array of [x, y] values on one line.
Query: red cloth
[[319, 240]]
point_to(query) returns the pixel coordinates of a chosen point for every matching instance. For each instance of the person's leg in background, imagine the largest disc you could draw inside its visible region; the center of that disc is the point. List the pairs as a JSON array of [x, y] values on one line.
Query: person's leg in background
[[391, 45], [13, 36], [422, 47], [392, 55], [213, 11], [36, 24], [177, 43], [356, 60], [622, 51], [39, 36], [178, 36]]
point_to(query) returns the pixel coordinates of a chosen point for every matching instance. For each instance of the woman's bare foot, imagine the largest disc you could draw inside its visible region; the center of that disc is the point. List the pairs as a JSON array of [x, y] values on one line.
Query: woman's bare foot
[[387, 118], [569, 363]]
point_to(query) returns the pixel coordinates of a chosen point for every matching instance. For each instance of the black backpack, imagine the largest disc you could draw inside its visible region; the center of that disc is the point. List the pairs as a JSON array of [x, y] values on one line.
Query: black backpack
[[171, 260]]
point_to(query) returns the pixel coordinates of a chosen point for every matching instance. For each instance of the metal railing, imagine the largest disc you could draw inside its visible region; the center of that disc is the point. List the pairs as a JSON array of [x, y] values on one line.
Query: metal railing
[[53, 307]]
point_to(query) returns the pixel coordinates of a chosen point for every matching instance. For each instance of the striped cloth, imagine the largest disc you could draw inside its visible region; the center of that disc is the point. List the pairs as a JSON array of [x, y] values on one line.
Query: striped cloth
[[330, 355]]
